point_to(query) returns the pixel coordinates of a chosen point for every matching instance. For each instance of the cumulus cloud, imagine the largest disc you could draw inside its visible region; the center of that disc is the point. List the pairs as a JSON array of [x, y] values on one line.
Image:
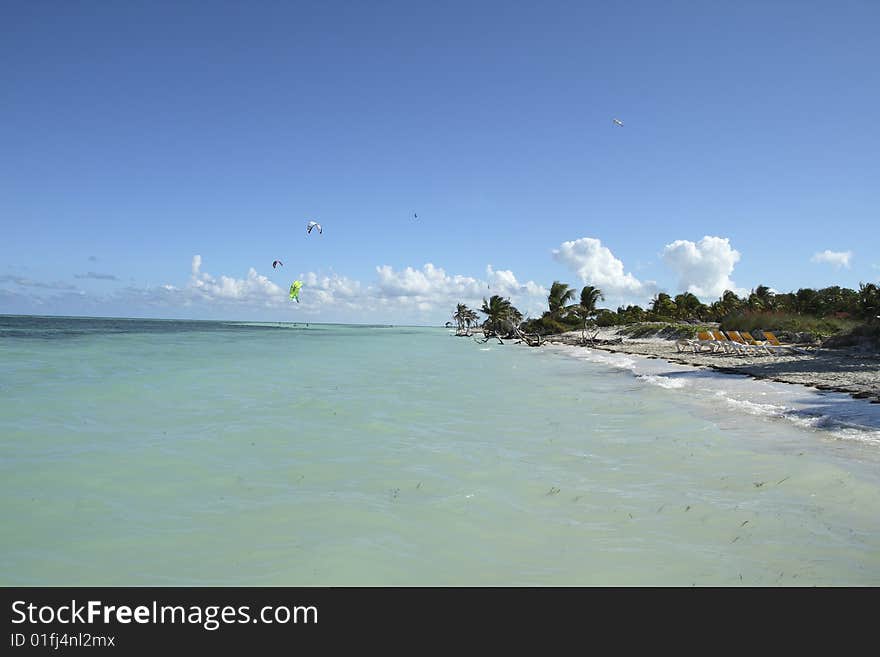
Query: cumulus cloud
[[423, 291], [836, 258], [703, 267], [332, 290], [254, 288], [504, 283], [96, 276], [428, 281], [203, 294], [597, 265], [431, 289]]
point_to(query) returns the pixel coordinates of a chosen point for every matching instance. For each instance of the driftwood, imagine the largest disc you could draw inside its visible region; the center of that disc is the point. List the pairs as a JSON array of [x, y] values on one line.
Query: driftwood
[[593, 343], [588, 340], [533, 340], [591, 340]]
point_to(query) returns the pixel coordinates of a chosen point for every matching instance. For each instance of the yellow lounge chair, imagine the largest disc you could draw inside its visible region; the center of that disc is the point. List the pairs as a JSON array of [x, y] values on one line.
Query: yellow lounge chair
[[759, 345], [748, 338], [728, 345], [774, 344], [704, 339], [742, 346]]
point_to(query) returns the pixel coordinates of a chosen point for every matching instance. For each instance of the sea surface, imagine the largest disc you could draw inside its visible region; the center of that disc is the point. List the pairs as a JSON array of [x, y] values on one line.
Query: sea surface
[[153, 452]]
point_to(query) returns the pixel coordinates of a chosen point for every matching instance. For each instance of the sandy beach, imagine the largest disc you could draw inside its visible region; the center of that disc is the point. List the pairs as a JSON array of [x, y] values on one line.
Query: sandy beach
[[852, 371]]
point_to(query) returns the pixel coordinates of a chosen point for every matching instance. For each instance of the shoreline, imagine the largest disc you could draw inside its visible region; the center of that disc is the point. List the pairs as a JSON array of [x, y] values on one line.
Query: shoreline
[[849, 371]]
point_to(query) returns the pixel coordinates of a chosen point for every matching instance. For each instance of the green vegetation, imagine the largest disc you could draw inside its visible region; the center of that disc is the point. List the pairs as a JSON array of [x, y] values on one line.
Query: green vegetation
[[828, 311], [864, 334], [662, 329], [502, 318], [465, 318], [821, 327]]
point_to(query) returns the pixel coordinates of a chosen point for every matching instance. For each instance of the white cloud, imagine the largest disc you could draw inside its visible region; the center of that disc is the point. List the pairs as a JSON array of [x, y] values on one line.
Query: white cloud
[[596, 265], [837, 258], [428, 294], [254, 289], [529, 297], [504, 283], [427, 282], [703, 267], [431, 289], [332, 290], [418, 295]]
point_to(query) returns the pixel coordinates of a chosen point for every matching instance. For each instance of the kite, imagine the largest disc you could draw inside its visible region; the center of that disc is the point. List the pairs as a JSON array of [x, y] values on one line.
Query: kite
[[276, 262], [618, 122], [314, 224], [295, 287], [415, 216]]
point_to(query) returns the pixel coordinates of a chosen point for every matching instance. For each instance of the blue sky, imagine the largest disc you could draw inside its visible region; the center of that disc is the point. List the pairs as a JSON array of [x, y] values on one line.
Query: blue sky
[[157, 157]]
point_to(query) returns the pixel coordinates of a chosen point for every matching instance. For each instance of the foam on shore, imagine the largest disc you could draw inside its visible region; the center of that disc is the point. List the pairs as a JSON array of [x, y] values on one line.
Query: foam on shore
[[832, 414]]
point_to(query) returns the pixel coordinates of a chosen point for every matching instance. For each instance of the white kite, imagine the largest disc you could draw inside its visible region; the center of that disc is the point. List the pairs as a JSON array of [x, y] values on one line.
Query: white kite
[[314, 224], [618, 122]]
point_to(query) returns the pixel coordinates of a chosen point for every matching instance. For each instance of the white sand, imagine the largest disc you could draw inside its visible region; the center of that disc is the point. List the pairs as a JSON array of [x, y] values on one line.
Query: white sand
[[844, 370]]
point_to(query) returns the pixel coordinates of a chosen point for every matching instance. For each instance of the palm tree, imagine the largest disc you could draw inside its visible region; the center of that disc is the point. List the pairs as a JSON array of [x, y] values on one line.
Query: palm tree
[[587, 307], [663, 305], [869, 301], [560, 295], [807, 301], [688, 306], [461, 316], [471, 318], [766, 297], [501, 317], [727, 303], [589, 296]]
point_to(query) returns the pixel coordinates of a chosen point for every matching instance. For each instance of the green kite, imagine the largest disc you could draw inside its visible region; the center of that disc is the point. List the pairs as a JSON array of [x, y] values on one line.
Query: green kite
[[295, 287]]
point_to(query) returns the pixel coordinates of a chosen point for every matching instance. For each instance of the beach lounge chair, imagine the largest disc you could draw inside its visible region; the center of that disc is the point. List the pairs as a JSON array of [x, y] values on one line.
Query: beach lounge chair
[[748, 338], [726, 344], [774, 344], [760, 346], [683, 344], [741, 345], [703, 341]]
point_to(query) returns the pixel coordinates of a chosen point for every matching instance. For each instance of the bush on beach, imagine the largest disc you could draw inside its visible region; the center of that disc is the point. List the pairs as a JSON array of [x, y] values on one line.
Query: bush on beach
[[787, 323], [865, 335]]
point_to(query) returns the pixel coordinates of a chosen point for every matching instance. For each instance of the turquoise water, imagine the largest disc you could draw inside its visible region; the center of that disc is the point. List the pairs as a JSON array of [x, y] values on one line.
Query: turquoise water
[[139, 452]]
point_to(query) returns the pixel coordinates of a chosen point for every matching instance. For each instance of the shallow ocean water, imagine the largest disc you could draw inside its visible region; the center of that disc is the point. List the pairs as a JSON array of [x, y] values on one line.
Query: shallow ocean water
[[147, 452]]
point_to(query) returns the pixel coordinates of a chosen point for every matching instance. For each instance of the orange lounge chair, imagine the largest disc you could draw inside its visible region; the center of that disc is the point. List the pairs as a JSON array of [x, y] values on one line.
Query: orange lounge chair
[[758, 344], [703, 340], [742, 344], [725, 343], [774, 344]]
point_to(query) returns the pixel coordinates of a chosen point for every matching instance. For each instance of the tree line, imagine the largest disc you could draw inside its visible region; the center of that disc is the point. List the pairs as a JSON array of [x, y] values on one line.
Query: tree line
[[567, 312]]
